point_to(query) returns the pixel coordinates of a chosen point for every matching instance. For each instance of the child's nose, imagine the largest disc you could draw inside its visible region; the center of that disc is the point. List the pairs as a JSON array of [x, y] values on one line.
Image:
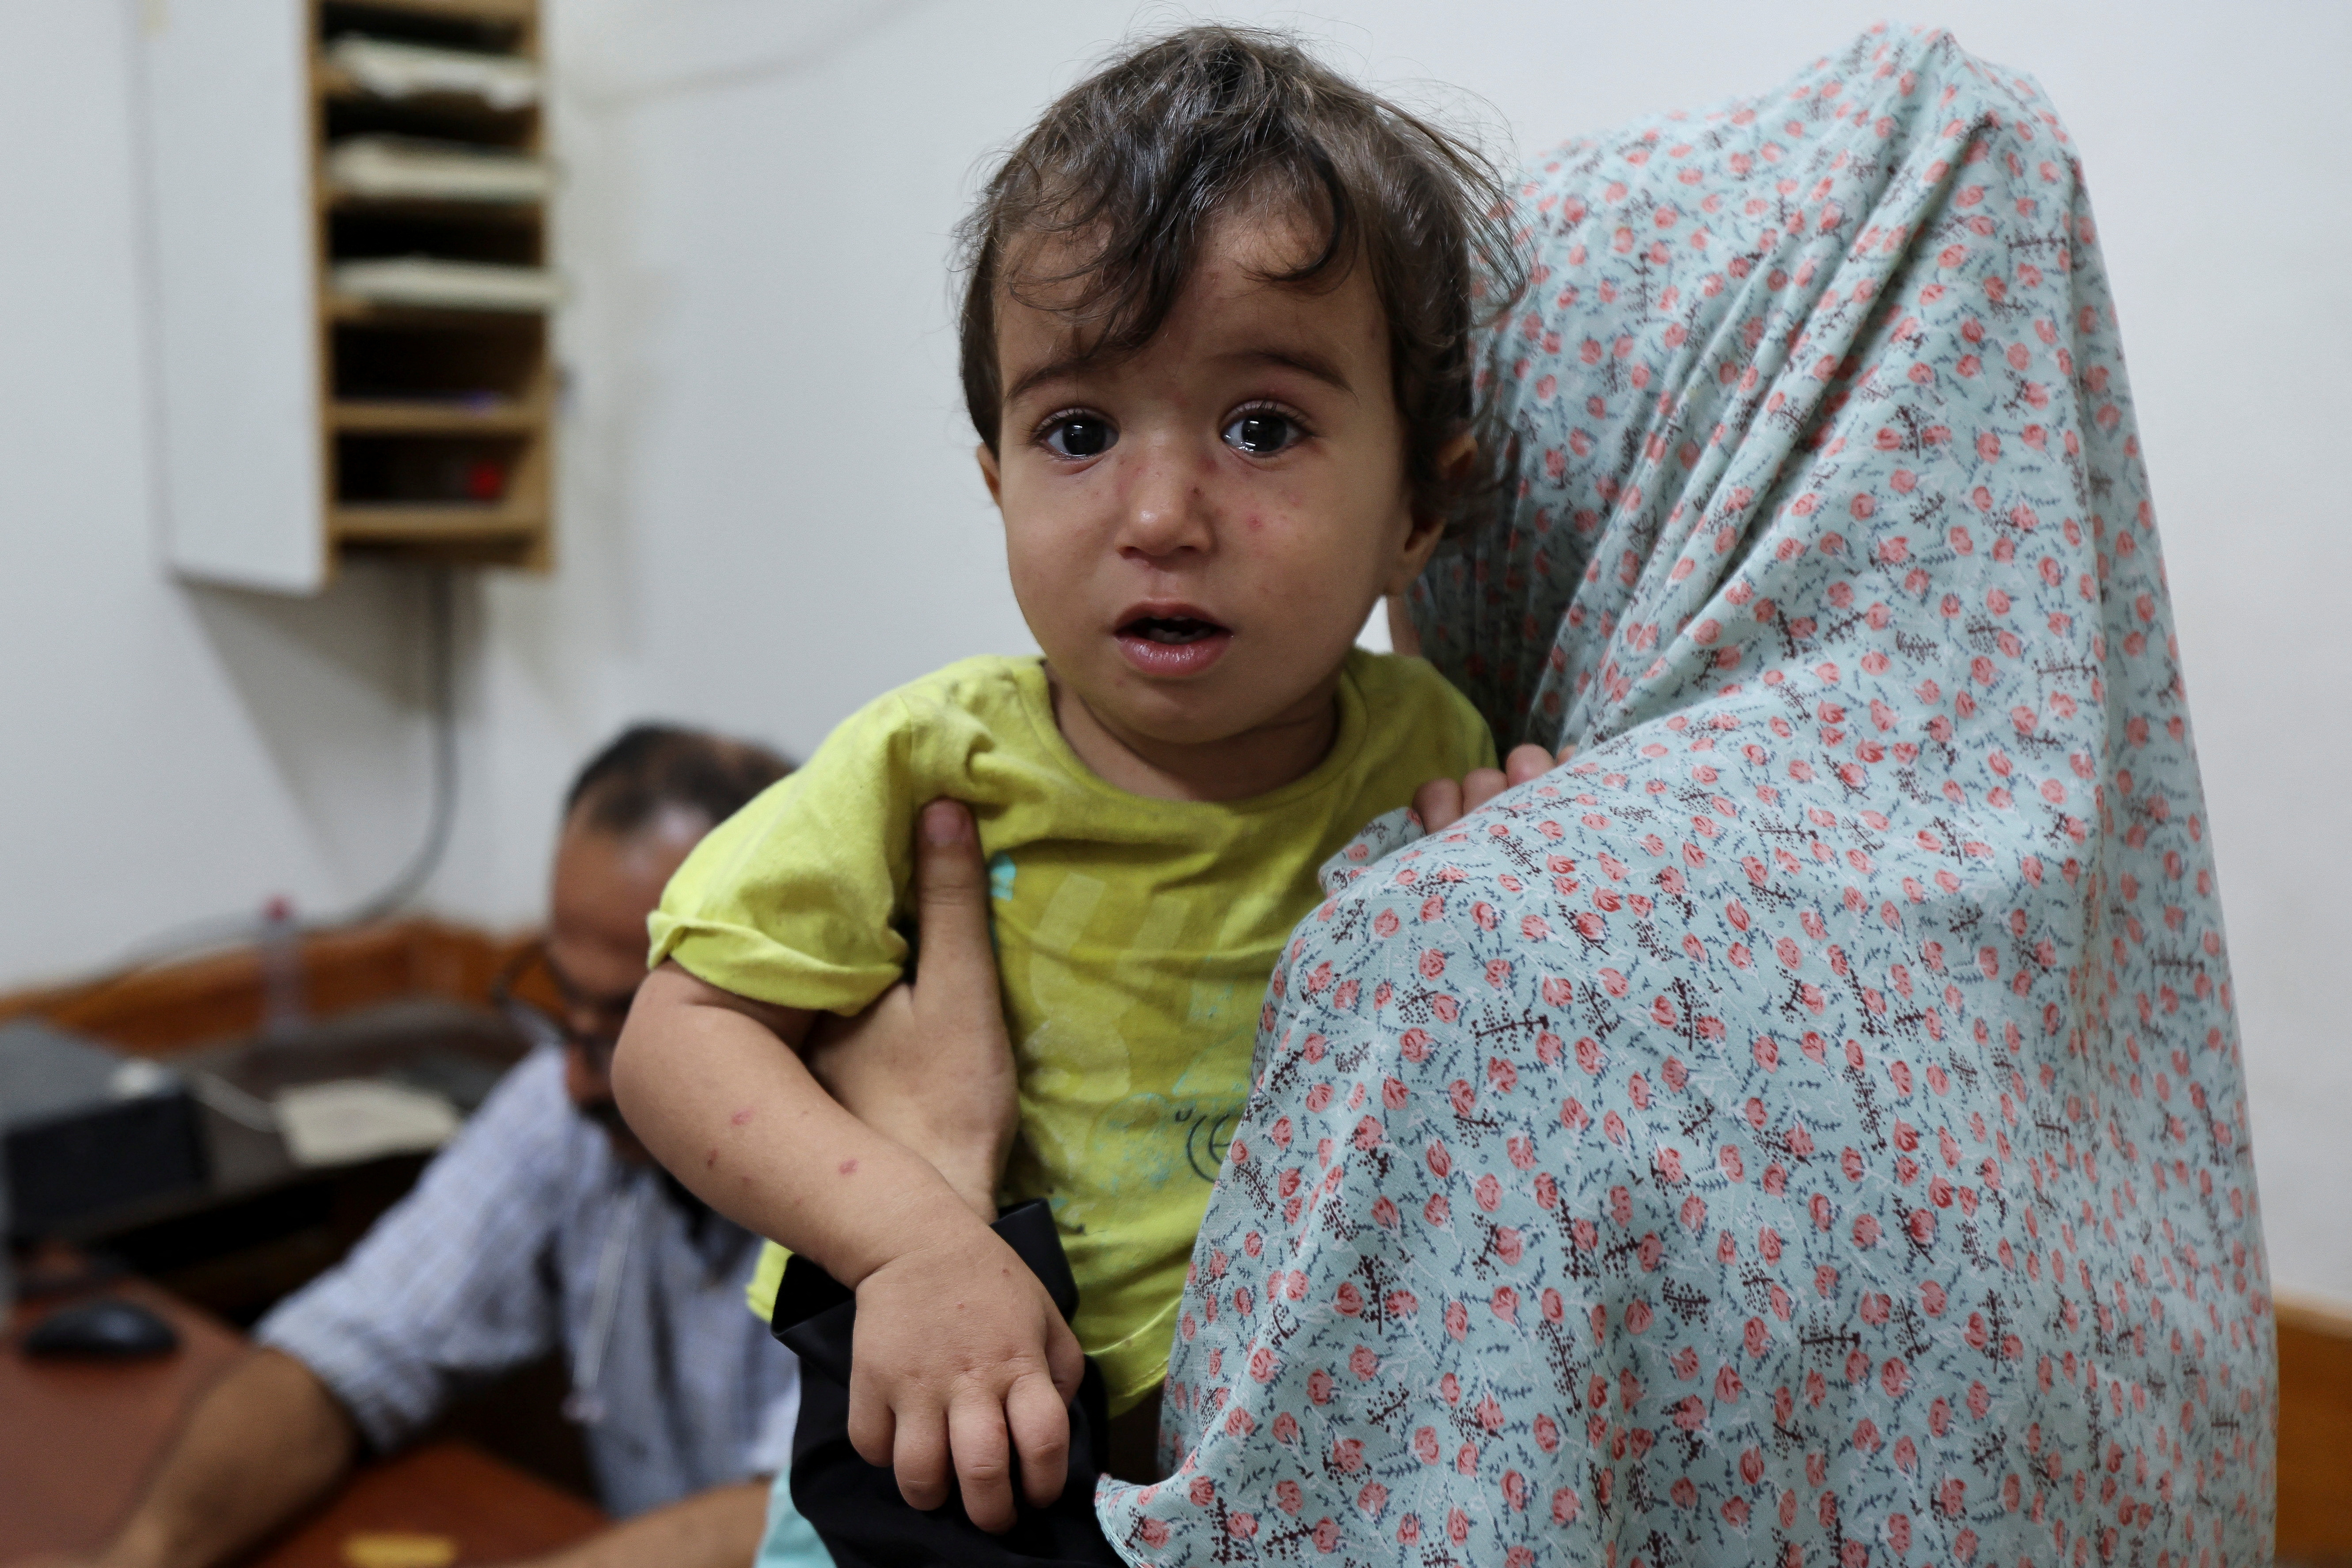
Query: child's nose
[[1167, 506]]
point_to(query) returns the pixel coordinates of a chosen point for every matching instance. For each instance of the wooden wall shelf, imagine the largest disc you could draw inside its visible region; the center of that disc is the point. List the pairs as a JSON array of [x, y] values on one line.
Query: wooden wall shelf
[[523, 214], [429, 419], [304, 423], [512, 13], [344, 308], [393, 523], [332, 83]]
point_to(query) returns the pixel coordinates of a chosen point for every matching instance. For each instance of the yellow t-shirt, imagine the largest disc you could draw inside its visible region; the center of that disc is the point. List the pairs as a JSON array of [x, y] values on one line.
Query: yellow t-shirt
[[1134, 938]]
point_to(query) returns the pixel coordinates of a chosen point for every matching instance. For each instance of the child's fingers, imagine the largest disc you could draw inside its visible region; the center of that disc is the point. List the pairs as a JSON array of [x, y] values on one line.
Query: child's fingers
[[1064, 1360], [1438, 804], [983, 1463], [873, 1428], [919, 1459], [1039, 1420]]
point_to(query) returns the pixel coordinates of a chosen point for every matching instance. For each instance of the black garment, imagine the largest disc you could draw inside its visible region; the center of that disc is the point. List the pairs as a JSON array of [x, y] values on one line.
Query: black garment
[[856, 1506]]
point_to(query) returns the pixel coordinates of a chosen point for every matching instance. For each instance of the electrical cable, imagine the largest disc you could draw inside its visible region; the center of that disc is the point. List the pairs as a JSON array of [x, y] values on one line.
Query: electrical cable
[[441, 658], [198, 936]]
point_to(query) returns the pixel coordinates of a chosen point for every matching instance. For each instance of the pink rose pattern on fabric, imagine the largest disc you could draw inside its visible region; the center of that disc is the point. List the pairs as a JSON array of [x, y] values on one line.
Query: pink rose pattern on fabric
[[1809, 1128]]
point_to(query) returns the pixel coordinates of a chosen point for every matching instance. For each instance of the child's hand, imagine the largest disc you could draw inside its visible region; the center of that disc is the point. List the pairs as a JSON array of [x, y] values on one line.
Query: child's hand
[[1441, 803], [956, 1345]]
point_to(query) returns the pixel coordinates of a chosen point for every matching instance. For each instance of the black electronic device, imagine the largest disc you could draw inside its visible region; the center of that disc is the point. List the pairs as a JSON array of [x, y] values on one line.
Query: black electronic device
[[108, 1328], [85, 1130]]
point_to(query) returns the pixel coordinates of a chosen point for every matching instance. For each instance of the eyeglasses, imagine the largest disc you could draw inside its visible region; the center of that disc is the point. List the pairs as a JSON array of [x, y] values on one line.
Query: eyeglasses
[[609, 1012]]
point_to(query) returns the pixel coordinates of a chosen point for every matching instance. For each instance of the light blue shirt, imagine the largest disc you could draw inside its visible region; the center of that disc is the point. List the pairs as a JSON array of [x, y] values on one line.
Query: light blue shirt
[[528, 1233]]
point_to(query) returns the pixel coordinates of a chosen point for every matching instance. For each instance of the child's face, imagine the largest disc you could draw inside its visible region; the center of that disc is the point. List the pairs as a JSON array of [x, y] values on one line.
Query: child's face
[[1197, 531]]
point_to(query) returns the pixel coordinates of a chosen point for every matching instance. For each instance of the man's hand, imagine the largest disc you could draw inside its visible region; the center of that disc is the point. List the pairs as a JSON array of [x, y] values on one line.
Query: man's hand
[[264, 1441], [716, 1529], [1441, 803], [929, 1064], [960, 1358]]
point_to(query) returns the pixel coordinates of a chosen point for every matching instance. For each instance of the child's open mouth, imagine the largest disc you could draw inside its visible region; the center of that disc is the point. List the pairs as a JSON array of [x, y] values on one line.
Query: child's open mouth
[[1173, 642]]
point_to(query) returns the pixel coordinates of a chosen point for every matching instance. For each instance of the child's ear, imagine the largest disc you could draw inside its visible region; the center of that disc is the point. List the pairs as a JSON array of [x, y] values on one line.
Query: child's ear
[[1453, 460], [988, 471]]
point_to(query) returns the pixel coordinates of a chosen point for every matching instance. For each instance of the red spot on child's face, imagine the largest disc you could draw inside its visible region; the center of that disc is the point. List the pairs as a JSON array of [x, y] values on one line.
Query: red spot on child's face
[[710, 1158], [741, 1116], [847, 1167]]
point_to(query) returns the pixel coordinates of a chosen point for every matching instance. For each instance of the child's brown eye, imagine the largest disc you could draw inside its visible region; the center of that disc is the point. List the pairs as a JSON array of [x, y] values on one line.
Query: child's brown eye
[[1261, 434], [1080, 435]]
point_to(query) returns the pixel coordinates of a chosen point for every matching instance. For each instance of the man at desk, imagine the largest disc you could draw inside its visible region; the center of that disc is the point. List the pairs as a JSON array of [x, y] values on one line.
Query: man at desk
[[542, 1225]]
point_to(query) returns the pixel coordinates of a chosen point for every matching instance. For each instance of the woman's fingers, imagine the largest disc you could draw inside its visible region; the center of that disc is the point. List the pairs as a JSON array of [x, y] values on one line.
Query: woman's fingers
[[970, 1090], [1441, 803], [1438, 804], [958, 968], [1480, 785], [928, 1063], [1528, 762]]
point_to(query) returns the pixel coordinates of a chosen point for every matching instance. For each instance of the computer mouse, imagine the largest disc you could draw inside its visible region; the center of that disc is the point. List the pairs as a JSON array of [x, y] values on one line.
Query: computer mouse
[[107, 1327]]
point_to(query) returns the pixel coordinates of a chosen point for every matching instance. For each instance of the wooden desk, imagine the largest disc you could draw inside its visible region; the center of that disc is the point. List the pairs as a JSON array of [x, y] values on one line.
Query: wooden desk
[[76, 1439]]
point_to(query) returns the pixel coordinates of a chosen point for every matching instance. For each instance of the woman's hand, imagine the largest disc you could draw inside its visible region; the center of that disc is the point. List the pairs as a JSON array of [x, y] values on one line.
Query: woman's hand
[[928, 1065], [961, 1359], [1441, 803]]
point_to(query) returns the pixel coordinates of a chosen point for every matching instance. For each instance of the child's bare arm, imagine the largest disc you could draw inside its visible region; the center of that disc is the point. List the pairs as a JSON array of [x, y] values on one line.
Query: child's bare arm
[[714, 1086], [961, 1356]]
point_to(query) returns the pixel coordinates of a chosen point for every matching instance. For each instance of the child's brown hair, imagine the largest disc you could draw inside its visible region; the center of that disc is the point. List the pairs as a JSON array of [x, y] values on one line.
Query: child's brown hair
[[1133, 164]]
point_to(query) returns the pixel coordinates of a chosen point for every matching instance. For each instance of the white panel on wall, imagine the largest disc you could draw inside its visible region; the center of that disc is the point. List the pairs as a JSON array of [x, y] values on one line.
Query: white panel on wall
[[226, 139]]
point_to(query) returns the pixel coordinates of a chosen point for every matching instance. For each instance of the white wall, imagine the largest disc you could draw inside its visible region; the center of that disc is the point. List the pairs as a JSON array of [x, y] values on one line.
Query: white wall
[[166, 752], [769, 511]]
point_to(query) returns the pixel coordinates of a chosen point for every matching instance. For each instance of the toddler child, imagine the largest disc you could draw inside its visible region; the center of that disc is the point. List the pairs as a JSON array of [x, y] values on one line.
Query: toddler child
[[1215, 345]]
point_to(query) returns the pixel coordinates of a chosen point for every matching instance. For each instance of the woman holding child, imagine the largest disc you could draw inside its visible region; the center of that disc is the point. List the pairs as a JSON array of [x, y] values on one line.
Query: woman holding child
[[1807, 1124]]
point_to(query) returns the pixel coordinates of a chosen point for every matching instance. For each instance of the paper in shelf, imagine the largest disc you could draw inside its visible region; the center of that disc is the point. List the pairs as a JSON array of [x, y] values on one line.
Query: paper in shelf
[[431, 282], [416, 169], [391, 69]]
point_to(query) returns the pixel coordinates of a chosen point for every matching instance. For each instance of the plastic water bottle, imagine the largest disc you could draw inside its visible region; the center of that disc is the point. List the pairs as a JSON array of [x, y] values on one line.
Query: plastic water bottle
[[284, 1001]]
